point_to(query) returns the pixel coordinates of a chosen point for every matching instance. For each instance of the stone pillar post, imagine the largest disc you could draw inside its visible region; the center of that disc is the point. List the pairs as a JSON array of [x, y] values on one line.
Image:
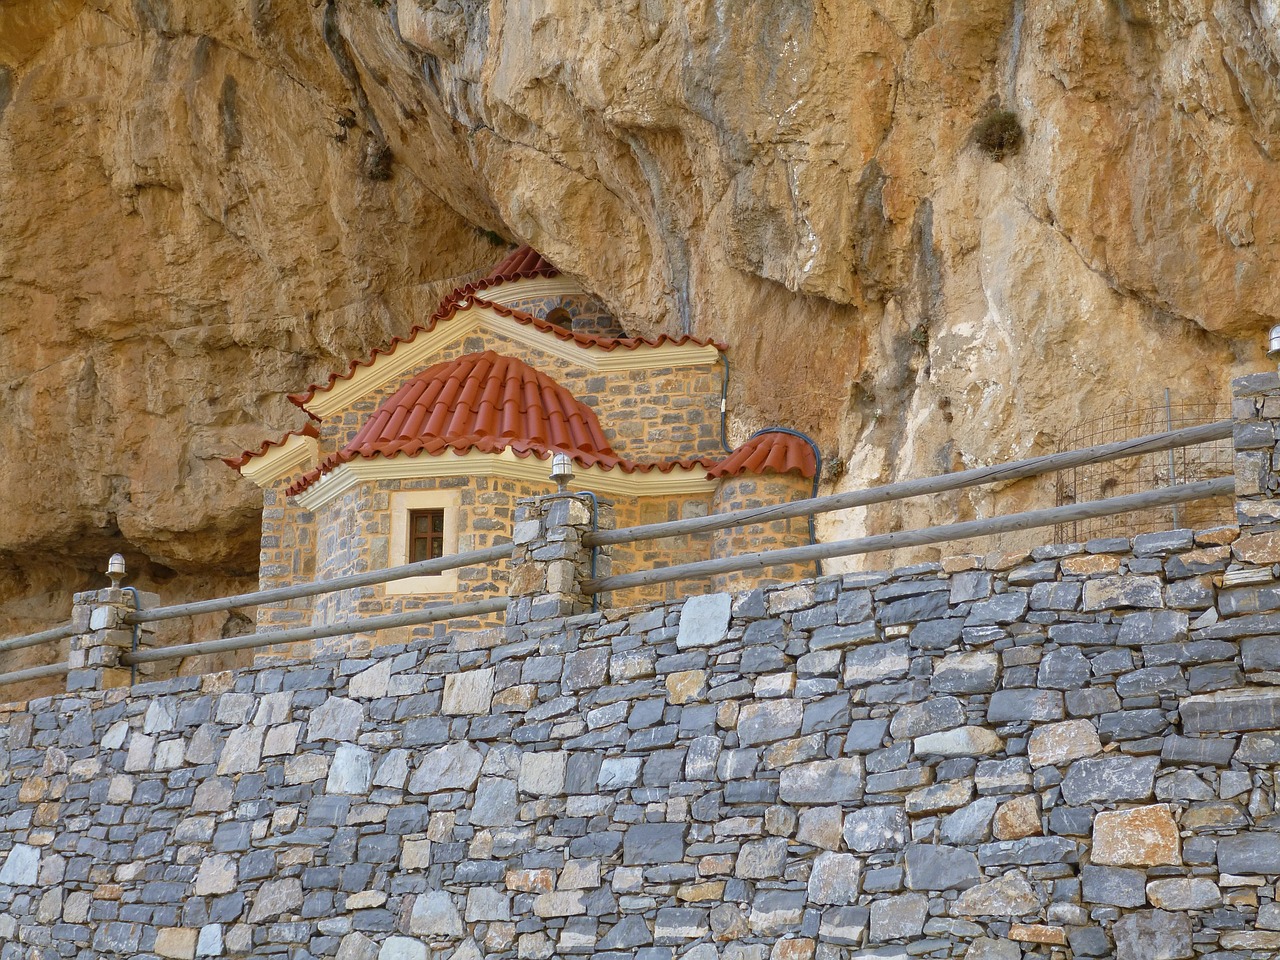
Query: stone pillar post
[[550, 562], [103, 633], [1255, 408]]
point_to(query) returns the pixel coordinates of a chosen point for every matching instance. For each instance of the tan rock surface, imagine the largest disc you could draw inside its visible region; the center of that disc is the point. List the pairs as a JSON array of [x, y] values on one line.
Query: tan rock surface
[[1139, 837], [207, 204]]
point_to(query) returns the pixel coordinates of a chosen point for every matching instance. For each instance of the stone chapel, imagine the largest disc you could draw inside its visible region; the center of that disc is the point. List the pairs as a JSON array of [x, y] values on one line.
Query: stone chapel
[[424, 448]]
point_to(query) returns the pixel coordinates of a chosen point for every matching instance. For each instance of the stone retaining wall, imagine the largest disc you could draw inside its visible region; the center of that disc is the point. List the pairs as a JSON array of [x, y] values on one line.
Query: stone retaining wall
[[1070, 753]]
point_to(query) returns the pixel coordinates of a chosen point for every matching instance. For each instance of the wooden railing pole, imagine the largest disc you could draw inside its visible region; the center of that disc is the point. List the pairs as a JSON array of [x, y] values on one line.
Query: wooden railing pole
[[1014, 470], [1222, 486]]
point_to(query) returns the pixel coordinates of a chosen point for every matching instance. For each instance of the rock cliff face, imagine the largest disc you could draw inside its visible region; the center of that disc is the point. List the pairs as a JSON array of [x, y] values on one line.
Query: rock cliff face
[[204, 205]]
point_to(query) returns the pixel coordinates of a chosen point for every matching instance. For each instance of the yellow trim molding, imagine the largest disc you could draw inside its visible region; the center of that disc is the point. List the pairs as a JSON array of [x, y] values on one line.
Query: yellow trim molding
[[531, 469], [510, 291], [282, 461]]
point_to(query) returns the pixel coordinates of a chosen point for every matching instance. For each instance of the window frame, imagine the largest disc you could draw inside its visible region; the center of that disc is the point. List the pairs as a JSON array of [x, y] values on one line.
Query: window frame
[[402, 506], [434, 538]]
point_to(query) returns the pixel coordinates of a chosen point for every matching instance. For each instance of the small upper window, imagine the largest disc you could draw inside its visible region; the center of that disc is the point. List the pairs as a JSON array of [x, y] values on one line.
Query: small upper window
[[426, 535], [560, 317]]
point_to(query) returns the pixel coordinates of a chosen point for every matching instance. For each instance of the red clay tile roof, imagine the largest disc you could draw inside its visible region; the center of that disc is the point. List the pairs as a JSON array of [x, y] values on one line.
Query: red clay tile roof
[[769, 452], [485, 402], [524, 263], [236, 463], [450, 308]]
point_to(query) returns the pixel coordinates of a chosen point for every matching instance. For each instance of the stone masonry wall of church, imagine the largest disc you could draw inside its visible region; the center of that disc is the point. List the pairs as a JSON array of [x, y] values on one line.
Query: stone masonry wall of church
[[355, 536], [1067, 753]]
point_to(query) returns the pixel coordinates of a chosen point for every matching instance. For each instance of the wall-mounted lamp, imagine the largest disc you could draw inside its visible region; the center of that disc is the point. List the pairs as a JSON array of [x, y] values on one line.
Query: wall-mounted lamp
[[1273, 343], [562, 470], [115, 570]]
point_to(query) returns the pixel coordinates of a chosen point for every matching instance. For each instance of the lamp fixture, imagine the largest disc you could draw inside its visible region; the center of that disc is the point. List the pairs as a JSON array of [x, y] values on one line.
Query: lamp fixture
[[115, 570], [562, 471]]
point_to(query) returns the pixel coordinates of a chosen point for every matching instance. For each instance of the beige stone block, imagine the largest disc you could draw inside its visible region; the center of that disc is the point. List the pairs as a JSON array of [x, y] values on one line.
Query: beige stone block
[[1251, 940], [1090, 565], [1038, 933], [542, 774], [1057, 743], [716, 864], [1217, 536], [415, 854], [1184, 893], [686, 685], [468, 694], [306, 768], [33, 789], [1139, 837], [516, 699], [177, 942], [821, 827], [1262, 548], [567, 903], [793, 948], [1017, 818], [703, 892], [215, 875], [530, 881]]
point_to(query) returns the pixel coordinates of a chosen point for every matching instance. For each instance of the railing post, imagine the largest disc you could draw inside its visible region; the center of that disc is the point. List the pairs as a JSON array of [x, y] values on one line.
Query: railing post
[[1255, 408], [550, 563], [102, 634]]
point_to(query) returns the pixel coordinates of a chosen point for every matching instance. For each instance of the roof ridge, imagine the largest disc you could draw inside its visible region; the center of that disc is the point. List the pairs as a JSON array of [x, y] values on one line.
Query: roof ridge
[[450, 308]]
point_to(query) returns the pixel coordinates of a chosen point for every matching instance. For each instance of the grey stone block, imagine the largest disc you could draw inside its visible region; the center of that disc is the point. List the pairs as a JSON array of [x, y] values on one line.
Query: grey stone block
[[876, 662], [1149, 681], [1109, 779], [898, 918], [928, 606], [970, 824], [872, 829], [1115, 886], [1025, 704], [936, 634], [1253, 853], [966, 673], [1214, 752], [1153, 935], [823, 781], [936, 867], [653, 843], [1063, 669], [704, 620], [1248, 708], [1002, 608], [917, 719]]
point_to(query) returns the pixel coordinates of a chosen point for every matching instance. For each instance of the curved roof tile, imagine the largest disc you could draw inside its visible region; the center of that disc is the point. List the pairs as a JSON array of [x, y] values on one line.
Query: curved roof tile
[[236, 463], [524, 263], [771, 451], [488, 403], [449, 308]]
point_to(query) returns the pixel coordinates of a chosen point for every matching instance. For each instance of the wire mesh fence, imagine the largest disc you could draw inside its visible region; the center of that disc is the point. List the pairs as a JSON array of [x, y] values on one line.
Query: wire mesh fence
[[1097, 481]]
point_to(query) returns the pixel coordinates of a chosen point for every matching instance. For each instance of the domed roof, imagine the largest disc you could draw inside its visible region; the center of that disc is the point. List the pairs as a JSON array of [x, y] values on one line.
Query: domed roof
[[481, 401], [770, 451]]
